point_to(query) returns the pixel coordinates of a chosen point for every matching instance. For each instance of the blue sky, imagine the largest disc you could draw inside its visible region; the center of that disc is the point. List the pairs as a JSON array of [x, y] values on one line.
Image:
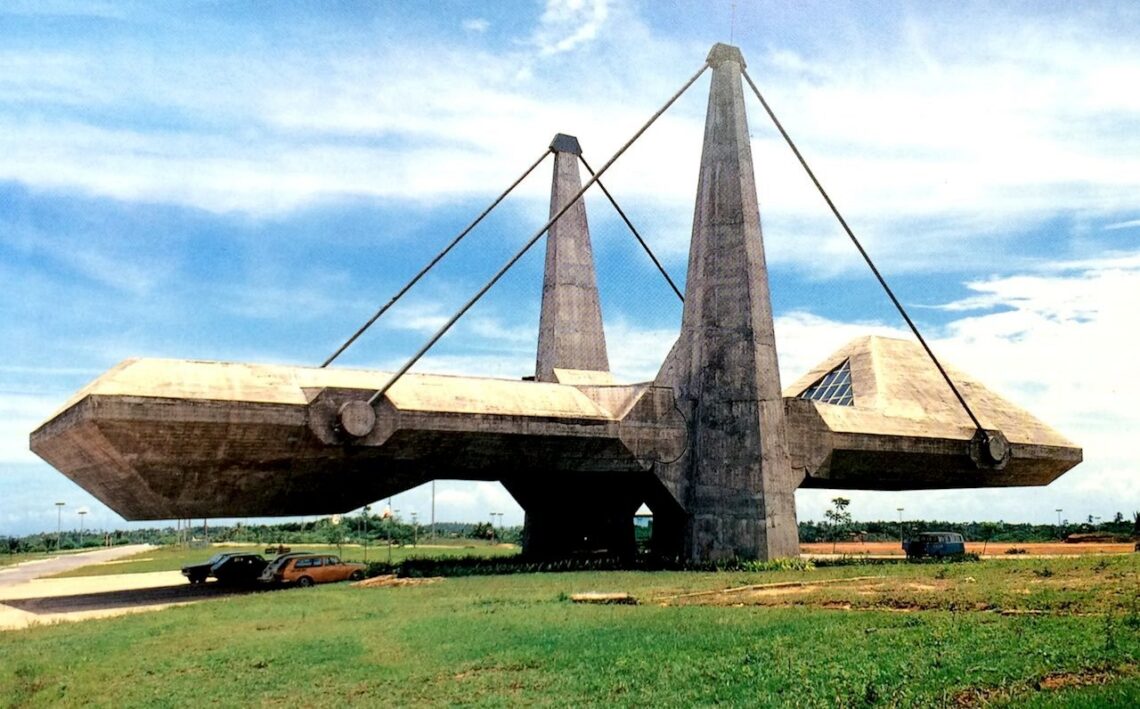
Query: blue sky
[[248, 181]]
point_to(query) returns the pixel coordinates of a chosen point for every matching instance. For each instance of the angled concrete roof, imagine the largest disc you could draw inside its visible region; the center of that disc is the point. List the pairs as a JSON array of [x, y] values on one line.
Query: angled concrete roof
[[898, 391], [282, 384]]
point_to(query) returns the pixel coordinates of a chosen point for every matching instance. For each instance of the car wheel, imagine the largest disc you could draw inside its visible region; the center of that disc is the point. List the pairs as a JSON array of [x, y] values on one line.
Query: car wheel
[[197, 580], [356, 575], [304, 582]]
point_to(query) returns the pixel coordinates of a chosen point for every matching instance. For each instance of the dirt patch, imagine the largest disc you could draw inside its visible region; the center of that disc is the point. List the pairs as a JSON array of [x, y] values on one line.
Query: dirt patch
[[984, 696], [393, 581], [988, 548]]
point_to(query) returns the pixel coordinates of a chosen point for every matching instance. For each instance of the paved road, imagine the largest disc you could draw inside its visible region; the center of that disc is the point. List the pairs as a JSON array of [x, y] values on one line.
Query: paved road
[[28, 599], [21, 573]]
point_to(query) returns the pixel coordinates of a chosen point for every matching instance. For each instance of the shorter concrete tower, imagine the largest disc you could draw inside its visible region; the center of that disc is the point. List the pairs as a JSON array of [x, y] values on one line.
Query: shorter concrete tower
[[570, 334]]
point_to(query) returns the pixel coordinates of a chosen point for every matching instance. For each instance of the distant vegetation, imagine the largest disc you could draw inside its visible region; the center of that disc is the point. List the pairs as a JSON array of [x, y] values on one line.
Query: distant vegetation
[[348, 529], [355, 529]]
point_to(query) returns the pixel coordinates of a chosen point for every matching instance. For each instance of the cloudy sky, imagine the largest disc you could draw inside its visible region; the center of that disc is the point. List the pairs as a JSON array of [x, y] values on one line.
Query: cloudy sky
[[249, 181]]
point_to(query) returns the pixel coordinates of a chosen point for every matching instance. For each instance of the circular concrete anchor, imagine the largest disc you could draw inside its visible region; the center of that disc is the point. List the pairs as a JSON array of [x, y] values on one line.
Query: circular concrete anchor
[[356, 418], [990, 449]]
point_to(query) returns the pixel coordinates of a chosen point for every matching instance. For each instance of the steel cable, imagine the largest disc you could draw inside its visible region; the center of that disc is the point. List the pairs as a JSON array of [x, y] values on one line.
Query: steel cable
[[862, 251], [533, 240], [636, 235], [434, 261]]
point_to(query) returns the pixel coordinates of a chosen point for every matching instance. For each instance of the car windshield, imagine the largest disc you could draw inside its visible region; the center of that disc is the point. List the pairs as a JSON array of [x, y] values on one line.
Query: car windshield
[[215, 559]]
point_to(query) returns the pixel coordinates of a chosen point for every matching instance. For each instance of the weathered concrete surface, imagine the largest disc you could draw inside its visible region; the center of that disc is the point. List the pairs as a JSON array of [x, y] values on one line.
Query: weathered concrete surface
[[570, 333], [735, 481], [162, 439]]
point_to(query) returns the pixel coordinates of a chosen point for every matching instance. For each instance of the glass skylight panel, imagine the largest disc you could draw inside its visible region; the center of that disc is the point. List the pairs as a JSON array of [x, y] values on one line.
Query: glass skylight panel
[[834, 388]]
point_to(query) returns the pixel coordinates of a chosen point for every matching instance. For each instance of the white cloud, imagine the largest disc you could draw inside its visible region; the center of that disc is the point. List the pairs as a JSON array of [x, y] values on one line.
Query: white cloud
[[898, 135], [477, 24], [1130, 224], [567, 24]]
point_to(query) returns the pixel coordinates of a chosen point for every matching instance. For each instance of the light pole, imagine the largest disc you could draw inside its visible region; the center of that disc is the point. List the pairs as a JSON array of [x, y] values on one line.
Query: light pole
[[82, 513], [900, 509], [364, 530], [494, 534], [1058, 516], [415, 531], [58, 524], [433, 511], [389, 526]]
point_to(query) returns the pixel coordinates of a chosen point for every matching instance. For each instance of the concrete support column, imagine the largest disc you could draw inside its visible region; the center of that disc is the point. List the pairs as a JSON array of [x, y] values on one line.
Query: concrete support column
[[577, 517], [735, 481]]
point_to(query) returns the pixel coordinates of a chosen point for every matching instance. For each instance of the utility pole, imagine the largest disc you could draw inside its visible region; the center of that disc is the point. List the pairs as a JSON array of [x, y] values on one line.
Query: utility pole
[[364, 530], [391, 519], [58, 524]]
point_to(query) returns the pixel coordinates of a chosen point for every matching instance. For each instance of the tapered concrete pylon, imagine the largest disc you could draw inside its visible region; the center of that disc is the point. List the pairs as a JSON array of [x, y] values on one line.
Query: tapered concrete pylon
[[570, 334], [735, 482]]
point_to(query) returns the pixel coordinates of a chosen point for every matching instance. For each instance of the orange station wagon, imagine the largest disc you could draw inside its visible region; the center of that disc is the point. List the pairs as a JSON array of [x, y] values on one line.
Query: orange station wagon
[[308, 569]]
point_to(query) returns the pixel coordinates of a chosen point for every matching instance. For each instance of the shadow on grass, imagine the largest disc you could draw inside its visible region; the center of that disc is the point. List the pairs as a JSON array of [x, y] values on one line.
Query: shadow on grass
[[106, 600]]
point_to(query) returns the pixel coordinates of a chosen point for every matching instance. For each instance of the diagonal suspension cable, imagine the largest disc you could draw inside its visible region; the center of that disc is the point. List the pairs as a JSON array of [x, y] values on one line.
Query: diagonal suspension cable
[[863, 252], [434, 261], [636, 235], [533, 240]]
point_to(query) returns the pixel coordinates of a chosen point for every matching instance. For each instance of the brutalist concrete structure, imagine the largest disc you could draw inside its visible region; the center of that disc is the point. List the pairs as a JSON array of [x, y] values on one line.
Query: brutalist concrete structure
[[712, 445]]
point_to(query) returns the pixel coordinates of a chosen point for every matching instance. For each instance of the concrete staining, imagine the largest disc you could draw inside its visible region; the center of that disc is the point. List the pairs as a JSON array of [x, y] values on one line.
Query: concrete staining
[[570, 334], [711, 445], [735, 480]]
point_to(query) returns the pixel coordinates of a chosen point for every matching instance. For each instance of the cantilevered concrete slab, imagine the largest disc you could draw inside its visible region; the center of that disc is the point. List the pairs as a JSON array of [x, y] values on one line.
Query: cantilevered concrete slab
[[712, 445], [904, 429], [162, 439]]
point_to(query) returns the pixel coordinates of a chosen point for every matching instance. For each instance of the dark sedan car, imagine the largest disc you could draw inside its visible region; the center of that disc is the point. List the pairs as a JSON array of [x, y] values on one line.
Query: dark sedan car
[[227, 567]]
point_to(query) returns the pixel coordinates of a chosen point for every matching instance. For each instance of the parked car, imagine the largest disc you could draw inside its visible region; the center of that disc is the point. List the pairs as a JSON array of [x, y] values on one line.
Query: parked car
[[308, 569], [229, 567], [239, 569], [934, 544]]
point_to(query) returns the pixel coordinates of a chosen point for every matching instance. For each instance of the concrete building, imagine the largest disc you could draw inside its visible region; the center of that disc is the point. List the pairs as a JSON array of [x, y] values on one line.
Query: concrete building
[[713, 444]]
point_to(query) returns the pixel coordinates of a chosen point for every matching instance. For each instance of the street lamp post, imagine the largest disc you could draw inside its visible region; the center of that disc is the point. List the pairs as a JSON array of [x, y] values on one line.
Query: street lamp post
[[433, 511], [415, 531], [900, 510], [58, 524], [1058, 516], [496, 535], [364, 530], [82, 514], [389, 526]]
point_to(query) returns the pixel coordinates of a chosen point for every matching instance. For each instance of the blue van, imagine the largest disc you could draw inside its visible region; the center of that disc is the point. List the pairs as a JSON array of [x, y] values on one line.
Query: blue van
[[934, 544]]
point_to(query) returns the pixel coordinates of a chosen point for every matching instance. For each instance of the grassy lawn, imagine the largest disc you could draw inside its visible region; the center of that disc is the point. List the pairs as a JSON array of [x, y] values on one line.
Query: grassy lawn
[[1057, 632], [173, 558]]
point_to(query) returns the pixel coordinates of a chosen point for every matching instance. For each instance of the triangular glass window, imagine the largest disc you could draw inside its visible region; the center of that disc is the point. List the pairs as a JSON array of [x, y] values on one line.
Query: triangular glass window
[[834, 388]]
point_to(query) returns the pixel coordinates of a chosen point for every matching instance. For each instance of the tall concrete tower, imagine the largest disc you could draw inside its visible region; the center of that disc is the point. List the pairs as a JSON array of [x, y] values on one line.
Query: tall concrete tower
[[735, 481]]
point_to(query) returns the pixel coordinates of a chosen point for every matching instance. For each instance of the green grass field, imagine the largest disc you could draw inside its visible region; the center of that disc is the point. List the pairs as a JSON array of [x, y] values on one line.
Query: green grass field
[[1057, 632]]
